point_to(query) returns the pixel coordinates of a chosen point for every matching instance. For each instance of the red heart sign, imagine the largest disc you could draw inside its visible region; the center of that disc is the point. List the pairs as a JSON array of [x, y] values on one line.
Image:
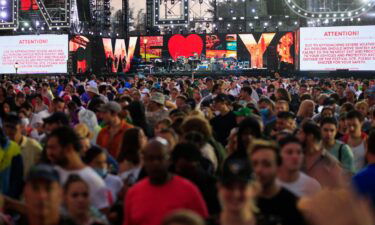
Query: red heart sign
[[178, 45]]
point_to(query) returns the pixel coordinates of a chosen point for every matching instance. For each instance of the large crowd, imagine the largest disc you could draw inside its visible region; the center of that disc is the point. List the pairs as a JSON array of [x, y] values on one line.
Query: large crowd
[[187, 151]]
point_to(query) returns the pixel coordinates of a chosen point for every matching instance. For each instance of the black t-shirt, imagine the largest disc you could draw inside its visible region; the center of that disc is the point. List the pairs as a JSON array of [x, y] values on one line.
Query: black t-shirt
[[222, 125], [280, 210], [207, 185]]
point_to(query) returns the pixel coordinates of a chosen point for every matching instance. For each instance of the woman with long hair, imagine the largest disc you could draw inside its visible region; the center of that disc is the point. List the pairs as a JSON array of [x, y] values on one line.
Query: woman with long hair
[[305, 111], [133, 141]]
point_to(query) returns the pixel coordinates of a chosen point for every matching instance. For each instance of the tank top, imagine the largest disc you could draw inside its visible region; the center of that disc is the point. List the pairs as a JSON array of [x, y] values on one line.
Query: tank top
[[359, 153]]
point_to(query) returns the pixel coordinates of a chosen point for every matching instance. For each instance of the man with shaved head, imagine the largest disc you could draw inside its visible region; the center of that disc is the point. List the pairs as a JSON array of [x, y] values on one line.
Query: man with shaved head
[[157, 195]]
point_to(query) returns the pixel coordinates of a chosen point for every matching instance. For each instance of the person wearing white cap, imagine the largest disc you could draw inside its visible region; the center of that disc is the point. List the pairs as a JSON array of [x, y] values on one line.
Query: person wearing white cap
[[91, 92], [155, 109]]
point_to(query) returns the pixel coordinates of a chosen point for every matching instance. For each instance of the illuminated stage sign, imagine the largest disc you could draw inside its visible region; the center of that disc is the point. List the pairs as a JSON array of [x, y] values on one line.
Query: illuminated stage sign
[[260, 50]]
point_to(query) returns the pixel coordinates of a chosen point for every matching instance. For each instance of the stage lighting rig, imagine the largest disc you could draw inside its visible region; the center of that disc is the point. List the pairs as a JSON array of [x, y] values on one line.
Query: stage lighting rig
[[358, 9]]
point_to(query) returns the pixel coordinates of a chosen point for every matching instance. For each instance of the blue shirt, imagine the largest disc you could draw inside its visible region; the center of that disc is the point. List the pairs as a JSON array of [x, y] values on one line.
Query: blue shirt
[[364, 182]]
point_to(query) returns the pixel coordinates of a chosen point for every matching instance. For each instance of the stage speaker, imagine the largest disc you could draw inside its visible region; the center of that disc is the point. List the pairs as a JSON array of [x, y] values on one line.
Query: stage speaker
[[83, 7], [275, 7]]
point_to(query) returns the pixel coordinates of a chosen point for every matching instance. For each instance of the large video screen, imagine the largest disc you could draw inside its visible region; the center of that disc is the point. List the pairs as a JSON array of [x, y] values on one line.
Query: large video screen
[[224, 46], [33, 54], [337, 48], [117, 55]]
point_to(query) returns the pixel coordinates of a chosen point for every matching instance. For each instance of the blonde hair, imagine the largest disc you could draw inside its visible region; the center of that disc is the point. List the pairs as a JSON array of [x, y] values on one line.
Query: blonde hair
[[260, 143], [183, 217], [199, 124], [302, 111], [361, 103], [197, 113], [83, 131]]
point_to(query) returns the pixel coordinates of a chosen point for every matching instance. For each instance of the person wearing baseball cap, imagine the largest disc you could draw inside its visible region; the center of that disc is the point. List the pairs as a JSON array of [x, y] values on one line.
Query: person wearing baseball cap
[[43, 197], [242, 113], [237, 191], [111, 135]]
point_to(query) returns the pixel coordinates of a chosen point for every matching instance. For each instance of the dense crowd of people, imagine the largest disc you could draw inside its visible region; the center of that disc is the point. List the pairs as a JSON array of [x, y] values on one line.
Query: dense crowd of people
[[185, 151]]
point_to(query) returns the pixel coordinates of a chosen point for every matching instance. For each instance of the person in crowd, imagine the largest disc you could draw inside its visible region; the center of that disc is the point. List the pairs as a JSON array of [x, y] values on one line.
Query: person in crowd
[[183, 217], [39, 105], [267, 110], [248, 130], [323, 156], [43, 196], [201, 125], [246, 96], [187, 162], [11, 167], [280, 106], [138, 115], [363, 181], [170, 135], [265, 161], [338, 149], [85, 135], [284, 121], [289, 174], [63, 150], [356, 138], [91, 93], [57, 105], [46, 93], [97, 159], [225, 120], [305, 111], [89, 118], [19, 100], [155, 109], [163, 191], [30, 149], [110, 136], [181, 102], [134, 141], [363, 108], [161, 125], [319, 164], [283, 95], [210, 161], [237, 192], [242, 114], [55, 120], [77, 203]]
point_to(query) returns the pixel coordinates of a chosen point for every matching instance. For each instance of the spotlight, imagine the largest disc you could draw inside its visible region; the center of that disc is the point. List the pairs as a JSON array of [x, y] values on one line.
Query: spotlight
[[3, 14]]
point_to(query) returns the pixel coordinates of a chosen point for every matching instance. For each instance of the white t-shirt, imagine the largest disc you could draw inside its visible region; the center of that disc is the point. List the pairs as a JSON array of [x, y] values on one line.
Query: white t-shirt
[[44, 114], [303, 186], [98, 190], [114, 184]]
